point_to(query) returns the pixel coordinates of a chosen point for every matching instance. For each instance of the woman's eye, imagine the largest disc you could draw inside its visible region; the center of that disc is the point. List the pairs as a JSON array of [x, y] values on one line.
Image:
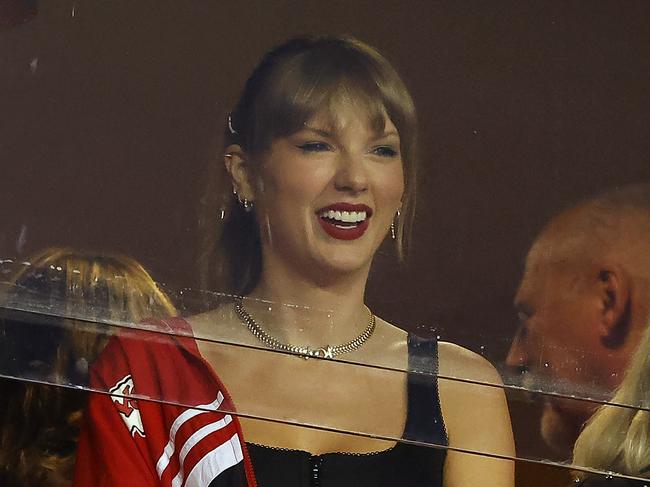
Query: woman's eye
[[385, 151], [314, 147]]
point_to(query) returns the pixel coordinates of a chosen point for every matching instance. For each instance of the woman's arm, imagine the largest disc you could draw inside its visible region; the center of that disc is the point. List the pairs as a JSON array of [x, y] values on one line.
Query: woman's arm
[[477, 419]]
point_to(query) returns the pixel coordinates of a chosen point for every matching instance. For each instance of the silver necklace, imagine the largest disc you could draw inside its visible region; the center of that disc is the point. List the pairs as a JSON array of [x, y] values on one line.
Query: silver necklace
[[327, 351]]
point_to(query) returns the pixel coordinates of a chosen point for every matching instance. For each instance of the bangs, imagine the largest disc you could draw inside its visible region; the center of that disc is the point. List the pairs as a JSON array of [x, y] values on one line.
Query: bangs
[[320, 84], [313, 100]]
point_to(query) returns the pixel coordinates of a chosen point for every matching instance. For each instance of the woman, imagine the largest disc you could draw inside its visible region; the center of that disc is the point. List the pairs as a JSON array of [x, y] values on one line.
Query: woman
[[617, 439], [321, 158], [41, 419]]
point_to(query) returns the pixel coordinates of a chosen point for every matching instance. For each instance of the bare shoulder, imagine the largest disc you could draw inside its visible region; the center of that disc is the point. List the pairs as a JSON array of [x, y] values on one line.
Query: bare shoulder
[[386, 347], [476, 414], [388, 332], [459, 362], [467, 380]]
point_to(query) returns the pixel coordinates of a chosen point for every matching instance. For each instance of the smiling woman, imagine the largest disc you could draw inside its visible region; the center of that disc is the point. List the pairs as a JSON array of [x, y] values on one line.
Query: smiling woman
[[326, 195], [302, 101], [321, 168]]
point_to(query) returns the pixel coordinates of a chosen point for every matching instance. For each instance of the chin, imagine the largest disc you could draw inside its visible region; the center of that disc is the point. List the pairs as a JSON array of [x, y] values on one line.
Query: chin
[[344, 260], [559, 430], [344, 267]]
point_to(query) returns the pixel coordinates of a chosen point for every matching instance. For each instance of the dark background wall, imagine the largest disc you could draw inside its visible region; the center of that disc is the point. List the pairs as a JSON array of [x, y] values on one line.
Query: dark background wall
[[109, 112]]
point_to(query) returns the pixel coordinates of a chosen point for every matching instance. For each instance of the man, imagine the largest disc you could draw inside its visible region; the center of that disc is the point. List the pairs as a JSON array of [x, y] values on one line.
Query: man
[[583, 303]]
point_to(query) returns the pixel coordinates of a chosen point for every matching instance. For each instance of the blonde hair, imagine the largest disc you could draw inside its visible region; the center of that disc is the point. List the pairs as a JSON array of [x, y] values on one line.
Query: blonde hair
[[290, 85], [617, 437], [41, 422]]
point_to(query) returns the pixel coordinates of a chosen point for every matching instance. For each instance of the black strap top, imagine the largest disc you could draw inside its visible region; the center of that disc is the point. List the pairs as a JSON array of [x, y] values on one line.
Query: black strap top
[[403, 464]]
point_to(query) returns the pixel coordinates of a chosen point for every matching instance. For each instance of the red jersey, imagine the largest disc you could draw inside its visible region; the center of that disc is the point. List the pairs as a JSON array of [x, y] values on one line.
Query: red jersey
[[162, 418]]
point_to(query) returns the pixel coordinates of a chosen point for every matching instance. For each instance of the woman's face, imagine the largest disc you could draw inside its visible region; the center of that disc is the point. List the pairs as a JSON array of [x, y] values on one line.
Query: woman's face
[[327, 194]]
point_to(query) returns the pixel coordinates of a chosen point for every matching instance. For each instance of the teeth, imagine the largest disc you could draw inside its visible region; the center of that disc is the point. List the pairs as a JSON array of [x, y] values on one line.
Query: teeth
[[344, 216]]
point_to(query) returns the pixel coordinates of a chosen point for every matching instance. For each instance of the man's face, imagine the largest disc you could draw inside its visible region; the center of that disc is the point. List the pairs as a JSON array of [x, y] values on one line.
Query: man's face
[[558, 344]]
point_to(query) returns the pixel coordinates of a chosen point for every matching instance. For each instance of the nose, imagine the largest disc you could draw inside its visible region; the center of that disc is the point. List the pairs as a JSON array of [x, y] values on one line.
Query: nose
[[517, 357], [351, 174]]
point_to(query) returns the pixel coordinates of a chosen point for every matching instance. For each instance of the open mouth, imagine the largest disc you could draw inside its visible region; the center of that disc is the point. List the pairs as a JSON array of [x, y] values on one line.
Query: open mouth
[[344, 221]]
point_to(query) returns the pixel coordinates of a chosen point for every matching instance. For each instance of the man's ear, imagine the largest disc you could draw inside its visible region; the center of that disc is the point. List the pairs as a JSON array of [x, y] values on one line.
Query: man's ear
[[615, 295], [238, 168]]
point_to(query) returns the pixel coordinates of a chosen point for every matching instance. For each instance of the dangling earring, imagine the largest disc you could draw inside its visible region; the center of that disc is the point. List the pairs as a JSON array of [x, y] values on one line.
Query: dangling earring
[[393, 225], [248, 205]]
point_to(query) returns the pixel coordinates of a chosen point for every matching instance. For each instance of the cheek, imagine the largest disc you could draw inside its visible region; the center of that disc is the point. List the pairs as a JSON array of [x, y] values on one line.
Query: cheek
[[288, 200], [392, 184], [295, 182]]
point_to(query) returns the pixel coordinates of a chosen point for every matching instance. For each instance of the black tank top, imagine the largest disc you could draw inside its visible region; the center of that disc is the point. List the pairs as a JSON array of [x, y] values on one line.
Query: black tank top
[[403, 464]]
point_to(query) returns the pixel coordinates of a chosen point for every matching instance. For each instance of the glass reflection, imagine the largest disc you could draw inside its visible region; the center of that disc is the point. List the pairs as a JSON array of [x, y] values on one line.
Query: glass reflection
[[546, 388], [42, 352]]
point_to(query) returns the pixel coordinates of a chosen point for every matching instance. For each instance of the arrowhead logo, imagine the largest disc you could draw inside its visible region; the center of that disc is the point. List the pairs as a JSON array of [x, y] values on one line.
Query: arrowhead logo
[[126, 406]]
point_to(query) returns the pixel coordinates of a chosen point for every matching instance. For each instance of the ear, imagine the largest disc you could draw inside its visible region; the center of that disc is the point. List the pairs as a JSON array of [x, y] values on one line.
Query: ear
[[615, 294], [239, 170]]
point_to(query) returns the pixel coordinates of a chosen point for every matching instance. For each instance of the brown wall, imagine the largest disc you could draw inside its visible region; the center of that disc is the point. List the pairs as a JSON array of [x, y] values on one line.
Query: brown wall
[[525, 107]]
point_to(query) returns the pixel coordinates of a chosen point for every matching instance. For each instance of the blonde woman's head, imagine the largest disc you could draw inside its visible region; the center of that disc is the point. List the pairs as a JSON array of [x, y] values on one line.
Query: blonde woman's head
[[617, 437]]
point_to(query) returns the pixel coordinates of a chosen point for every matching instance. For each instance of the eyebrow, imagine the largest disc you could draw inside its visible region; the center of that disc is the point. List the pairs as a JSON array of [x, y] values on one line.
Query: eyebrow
[[326, 133], [387, 134], [318, 131]]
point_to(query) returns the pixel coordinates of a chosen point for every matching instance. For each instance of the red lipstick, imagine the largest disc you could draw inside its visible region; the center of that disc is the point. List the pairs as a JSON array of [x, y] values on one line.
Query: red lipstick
[[344, 221]]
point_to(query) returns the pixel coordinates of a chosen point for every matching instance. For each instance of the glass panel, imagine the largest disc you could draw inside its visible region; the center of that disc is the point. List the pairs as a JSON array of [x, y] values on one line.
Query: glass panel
[[118, 120], [56, 350]]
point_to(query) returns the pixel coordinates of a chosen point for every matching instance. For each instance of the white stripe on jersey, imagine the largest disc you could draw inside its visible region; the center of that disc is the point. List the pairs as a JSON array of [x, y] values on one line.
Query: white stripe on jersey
[[193, 440], [185, 416], [210, 466]]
